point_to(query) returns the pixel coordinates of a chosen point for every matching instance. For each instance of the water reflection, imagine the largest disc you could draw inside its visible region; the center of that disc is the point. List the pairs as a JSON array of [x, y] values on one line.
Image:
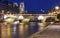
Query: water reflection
[[33, 27], [19, 30], [14, 30]]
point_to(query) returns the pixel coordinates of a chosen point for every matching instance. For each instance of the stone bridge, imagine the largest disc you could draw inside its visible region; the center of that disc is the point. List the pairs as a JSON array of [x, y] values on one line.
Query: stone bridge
[[35, 15]]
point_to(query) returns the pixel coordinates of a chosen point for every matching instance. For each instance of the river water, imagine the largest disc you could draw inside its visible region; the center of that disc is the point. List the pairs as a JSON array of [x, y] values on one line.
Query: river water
[[18, 30]]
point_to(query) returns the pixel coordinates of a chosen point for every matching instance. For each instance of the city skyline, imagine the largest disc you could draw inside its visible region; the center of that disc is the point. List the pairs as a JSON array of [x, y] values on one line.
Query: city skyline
[[37, 5]]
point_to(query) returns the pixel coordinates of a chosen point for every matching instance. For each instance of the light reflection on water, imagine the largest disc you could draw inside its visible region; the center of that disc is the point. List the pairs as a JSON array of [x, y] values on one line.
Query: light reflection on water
[[22, 31]]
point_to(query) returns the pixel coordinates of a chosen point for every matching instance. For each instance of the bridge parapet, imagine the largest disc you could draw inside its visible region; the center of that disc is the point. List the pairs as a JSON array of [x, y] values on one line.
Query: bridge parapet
[[34, 15]]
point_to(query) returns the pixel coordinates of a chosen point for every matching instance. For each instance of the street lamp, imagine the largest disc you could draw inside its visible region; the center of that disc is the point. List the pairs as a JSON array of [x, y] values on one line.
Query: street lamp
[[40, 17], [57, 7], [20, 18], [5, 16]]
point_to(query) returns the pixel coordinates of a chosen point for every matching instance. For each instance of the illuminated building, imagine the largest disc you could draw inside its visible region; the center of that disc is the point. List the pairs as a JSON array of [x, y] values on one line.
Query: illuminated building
[[55, 10], [21, 7], [6, 6]]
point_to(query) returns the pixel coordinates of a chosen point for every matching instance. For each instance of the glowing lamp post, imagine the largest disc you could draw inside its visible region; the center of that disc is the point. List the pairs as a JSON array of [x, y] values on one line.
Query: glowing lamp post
[[57, 7], [40, 18], [20, 18], [41, 26], [5, 16]]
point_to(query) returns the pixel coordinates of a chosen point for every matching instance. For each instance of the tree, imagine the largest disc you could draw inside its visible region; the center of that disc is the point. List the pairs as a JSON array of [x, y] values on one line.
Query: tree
[[8, 5], [58, 16], [50, 19]]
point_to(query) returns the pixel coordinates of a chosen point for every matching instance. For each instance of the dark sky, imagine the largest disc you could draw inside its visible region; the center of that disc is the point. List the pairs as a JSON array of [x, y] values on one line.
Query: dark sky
[[37, 5]]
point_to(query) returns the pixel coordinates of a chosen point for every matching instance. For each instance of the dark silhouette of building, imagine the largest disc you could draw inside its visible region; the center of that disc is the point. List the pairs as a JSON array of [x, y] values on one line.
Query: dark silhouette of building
[[8, 6], [15, 8]]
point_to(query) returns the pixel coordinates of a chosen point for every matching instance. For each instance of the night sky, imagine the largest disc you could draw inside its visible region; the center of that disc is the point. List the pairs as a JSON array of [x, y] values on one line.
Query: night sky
[[37, 5]]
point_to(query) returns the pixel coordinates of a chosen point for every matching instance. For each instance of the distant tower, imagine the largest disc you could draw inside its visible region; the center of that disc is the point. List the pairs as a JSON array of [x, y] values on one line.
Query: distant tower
[[21, 7], [15, 4], [15, 8]]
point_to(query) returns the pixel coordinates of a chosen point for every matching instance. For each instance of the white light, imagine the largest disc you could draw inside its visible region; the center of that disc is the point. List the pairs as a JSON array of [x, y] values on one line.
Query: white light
[[12, 16], [21, 17], [16, 22], [57, 7], [40, 18], [5, 16]]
